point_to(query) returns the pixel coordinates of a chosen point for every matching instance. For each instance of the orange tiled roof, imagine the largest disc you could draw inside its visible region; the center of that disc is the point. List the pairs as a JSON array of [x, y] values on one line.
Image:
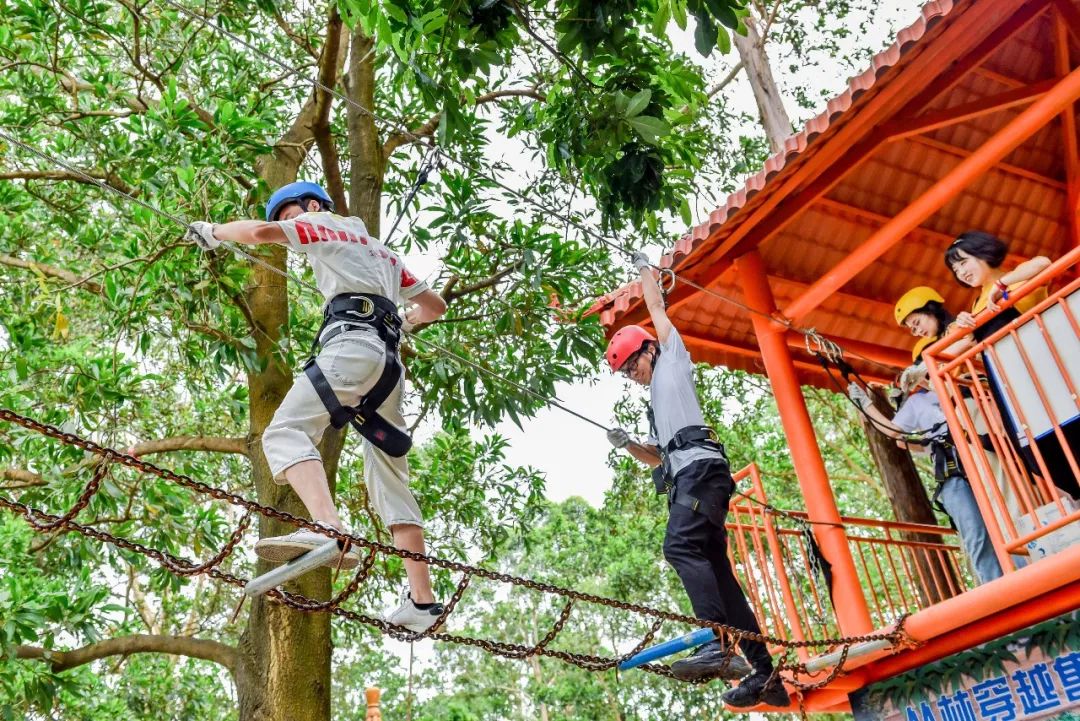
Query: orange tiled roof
[[802, 230]]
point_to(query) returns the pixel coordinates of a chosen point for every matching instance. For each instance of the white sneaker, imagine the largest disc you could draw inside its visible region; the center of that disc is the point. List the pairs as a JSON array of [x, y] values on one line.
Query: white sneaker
[[281, 549], [415, 619]]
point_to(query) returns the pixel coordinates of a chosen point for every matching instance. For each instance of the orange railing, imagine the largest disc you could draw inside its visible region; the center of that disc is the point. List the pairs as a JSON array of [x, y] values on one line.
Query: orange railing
[[903, 567], [1027, 372]]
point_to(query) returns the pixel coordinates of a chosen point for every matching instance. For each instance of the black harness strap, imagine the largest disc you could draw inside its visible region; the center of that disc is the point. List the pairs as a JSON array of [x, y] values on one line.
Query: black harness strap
[[690, 436], [358, 310]]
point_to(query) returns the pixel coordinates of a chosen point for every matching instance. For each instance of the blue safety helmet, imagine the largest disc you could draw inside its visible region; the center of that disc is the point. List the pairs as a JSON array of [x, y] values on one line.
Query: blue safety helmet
[[294, 193]]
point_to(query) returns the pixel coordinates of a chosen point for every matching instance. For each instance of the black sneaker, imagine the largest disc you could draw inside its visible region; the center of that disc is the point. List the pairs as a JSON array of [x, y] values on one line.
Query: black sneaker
[[756, 689], [710, 660]]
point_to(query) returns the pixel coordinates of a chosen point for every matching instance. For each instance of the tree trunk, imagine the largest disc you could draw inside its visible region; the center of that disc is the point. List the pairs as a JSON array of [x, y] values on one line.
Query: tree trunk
[[934, 578], [284, 669], [755, 61], [284, 673], [366, 161]]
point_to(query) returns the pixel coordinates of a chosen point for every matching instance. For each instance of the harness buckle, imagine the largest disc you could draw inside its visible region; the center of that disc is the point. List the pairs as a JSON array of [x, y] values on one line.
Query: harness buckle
[[367, 308]]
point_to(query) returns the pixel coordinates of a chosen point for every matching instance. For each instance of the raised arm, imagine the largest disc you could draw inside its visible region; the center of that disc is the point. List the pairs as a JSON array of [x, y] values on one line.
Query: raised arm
[[654, 301]]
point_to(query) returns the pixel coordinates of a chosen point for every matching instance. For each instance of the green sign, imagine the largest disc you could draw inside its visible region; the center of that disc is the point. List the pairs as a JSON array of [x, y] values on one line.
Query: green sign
[[1031, 674]]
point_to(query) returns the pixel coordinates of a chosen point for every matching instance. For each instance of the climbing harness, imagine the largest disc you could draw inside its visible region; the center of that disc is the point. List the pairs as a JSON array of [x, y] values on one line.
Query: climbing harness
[[688, 437], [356, 311]]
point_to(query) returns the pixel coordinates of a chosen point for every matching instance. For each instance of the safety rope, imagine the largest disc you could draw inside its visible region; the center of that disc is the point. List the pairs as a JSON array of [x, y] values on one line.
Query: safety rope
[[545, 400], [46, 522]]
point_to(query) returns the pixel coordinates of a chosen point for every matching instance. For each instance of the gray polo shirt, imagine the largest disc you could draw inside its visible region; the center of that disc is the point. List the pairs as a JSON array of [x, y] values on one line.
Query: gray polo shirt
[[674, 402], [922, 412]]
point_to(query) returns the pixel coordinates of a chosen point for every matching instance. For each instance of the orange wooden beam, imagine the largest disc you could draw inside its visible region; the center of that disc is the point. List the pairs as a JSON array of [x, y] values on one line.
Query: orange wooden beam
[[931, 237], [991, 152], [1063, 65], [906, 127], [850, 602], [1007, 22], [1008, 619], [1006, 80], [999, 167], [1071, 16]]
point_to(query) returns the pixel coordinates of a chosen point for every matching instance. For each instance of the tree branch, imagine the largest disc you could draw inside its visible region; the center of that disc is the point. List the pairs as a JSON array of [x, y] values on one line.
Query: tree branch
[[732, 74], [22, 478], [286, 28], [50, 271], [451, 294], [109, 178], [398, 139], [209, 444], [207, 650], [330, 63]]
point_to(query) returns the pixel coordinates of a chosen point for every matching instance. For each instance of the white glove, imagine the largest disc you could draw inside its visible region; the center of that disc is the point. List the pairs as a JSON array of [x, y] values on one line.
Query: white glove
[[640, 260], [201, 234], [856, 393], [618, 438]]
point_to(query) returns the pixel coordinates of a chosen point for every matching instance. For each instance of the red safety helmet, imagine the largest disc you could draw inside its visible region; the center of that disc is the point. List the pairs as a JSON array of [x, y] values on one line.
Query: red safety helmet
[[625, 343]]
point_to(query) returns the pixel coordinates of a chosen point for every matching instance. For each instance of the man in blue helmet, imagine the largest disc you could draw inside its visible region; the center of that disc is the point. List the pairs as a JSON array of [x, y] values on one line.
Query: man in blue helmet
[[355, 378]]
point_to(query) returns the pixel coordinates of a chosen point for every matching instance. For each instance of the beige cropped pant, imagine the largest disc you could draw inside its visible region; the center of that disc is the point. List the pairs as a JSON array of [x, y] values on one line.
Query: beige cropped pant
[[352, 362]]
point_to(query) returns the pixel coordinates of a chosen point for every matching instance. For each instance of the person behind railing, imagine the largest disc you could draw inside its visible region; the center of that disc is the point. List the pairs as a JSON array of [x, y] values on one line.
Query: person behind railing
[[920, 423], [975, 259], [923, 313]]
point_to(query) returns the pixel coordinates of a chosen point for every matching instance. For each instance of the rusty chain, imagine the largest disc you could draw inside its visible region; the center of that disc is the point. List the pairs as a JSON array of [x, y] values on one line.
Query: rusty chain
[[43, 521]]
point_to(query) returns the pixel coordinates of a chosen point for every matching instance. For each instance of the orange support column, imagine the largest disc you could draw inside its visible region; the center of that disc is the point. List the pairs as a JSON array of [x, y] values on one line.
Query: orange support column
[[848, 598]]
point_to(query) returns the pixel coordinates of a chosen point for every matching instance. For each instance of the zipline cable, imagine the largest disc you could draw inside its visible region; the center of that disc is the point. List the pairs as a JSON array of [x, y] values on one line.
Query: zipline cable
[[546, 400], [400, 128], [286, 274]]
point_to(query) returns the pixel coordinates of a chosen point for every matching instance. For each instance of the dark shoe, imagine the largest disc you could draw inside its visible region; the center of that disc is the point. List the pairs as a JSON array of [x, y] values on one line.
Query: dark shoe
[[710, 660], [756, 689]]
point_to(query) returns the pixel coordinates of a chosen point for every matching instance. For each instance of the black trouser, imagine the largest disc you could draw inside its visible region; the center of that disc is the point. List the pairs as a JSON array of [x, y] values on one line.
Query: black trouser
[[696, 546]]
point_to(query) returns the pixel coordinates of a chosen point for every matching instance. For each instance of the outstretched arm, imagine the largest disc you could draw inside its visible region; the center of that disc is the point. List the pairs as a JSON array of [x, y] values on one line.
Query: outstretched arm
[[250, 232], [654, 301]]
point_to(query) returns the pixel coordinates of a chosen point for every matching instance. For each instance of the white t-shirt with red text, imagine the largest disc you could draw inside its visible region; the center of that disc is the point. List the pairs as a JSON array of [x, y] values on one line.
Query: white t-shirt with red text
[[346, 259]]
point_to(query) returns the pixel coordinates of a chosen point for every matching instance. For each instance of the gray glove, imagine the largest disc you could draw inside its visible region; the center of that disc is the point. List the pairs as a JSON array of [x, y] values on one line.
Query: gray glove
[[640, 260], [856, 393], [201, 234], [618, 438]]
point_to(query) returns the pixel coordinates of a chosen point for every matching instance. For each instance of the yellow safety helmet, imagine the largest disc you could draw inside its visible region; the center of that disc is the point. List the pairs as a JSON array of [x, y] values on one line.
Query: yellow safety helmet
[[916, 352], [913, 300]]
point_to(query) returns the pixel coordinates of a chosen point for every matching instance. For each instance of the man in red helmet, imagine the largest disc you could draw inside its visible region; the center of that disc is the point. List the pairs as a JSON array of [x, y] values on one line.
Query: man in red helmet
[[693, 471]]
